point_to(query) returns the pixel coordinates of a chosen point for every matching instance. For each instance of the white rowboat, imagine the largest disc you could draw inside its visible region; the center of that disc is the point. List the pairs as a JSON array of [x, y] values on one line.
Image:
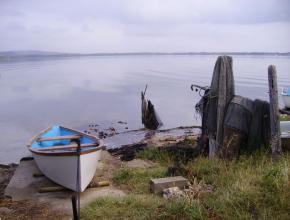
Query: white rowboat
[[55, 153]]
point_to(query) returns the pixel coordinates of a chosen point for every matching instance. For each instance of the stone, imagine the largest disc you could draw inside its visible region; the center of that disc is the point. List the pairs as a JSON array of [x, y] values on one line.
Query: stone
[[172, 192], [158, 185]]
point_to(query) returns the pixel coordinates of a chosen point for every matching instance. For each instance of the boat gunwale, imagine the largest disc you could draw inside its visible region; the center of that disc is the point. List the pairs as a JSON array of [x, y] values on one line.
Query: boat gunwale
[[65, 153]]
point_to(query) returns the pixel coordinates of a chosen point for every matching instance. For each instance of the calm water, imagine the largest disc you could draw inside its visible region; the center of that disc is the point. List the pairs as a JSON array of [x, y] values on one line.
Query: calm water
[[79, 91]]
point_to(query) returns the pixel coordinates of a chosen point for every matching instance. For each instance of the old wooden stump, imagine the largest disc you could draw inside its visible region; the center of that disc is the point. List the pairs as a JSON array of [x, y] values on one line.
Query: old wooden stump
[[274, 112]]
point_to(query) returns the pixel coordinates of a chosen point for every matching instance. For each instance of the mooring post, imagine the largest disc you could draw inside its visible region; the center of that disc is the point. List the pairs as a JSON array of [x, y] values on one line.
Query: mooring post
[[275, 141]]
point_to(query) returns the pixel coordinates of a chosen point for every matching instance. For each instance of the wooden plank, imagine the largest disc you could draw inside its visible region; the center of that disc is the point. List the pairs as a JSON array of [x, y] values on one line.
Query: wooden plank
[[67, 137], [98, 184], [157, 185], [275, 141], [51, 189], [64, 147]]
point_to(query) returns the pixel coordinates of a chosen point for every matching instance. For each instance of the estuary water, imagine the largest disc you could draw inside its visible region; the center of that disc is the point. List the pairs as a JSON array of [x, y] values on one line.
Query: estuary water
[[75, 91]]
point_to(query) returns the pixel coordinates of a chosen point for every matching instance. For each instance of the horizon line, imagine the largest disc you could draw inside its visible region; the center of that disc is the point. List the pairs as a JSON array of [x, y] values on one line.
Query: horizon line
[[132, 53]]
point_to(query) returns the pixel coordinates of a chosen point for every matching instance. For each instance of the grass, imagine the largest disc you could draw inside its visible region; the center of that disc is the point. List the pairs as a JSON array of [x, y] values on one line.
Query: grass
[[252, 187], [154, 154], [135, 180], [139, 207], [284, 117]]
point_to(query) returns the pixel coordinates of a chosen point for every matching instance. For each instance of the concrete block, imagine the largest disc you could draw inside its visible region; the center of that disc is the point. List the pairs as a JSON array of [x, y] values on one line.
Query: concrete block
[[157, 185]]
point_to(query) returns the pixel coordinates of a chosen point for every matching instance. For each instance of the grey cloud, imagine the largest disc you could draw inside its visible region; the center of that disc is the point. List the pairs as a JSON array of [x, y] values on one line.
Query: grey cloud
[[144, 11], [145, 25]]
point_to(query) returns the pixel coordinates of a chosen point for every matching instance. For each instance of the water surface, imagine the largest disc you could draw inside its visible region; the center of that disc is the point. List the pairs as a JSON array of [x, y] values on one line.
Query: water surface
[[35, 94]]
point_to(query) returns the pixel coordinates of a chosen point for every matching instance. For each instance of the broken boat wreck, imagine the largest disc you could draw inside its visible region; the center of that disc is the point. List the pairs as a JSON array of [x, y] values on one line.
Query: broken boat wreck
[[233, 123]]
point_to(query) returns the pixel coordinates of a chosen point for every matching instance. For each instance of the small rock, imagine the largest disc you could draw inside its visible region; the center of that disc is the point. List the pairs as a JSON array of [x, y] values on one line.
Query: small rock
[[172, 192], [122, 122]]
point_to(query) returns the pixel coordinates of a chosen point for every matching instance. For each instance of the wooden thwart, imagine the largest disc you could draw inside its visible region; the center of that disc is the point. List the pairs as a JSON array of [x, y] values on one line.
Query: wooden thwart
[[66, 147], [67, 137]]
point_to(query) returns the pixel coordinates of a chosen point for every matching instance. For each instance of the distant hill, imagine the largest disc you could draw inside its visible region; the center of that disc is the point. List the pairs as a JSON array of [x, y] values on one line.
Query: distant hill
[[33, 54], [30, 53]]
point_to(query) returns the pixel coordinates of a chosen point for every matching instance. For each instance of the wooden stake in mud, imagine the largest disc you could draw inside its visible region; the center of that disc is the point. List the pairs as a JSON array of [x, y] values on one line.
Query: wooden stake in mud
[[274, 112]]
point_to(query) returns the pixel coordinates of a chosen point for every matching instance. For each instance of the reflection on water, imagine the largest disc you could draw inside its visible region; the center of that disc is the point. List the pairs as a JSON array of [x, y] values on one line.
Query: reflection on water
[[82, 90]]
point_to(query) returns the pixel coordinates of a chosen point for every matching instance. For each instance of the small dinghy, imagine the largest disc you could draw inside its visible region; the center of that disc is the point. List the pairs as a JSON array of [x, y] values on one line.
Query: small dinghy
[[286, 96], [66, 156]]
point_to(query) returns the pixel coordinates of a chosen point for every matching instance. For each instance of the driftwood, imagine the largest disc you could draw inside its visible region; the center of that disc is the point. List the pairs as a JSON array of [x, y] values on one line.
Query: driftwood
[[274, 111], [149, 117]]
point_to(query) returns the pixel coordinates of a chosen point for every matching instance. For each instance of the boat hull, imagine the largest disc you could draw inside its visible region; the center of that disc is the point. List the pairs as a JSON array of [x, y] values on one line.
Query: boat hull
[[286, 99], [63, 169]]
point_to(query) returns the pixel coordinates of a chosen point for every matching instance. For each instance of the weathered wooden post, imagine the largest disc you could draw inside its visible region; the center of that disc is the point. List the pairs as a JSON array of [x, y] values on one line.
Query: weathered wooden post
[[222, 90], [275, 141]]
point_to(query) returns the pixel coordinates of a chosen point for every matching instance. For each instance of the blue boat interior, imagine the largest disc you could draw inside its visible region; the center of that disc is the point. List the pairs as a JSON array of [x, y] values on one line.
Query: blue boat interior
[[286, 91], [59, 131]]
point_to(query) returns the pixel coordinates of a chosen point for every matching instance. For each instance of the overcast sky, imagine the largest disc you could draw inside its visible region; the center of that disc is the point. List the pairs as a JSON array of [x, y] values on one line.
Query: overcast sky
[[145, 25]]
